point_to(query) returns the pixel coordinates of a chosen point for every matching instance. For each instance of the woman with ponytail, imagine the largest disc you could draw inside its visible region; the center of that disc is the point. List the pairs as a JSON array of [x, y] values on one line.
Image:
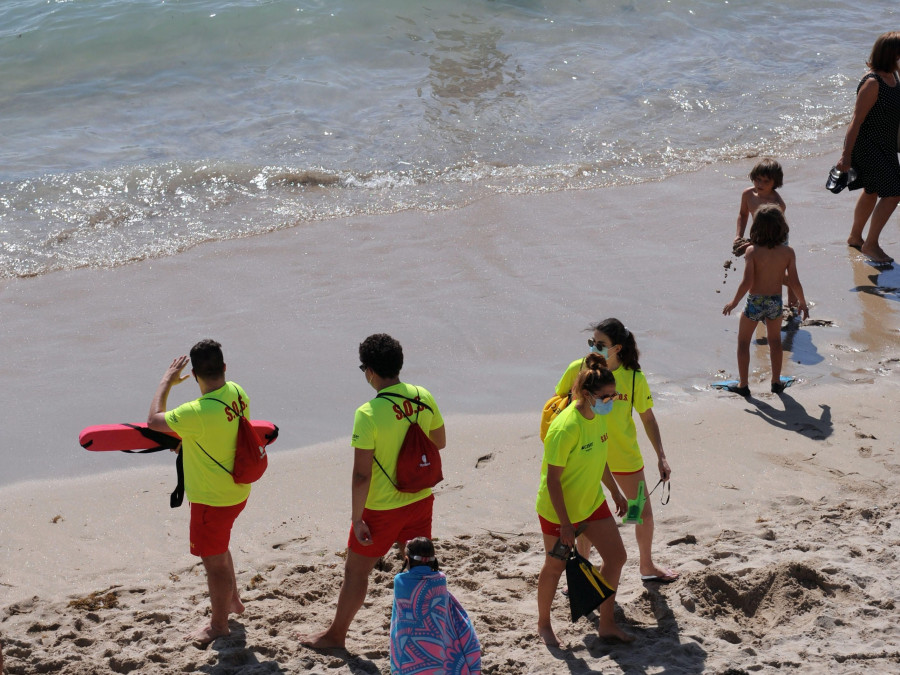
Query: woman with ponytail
[[570, 493], [612, 340]]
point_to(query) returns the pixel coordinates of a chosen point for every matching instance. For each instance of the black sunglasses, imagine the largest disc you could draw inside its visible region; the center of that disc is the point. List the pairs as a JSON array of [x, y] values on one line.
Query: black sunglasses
[[607, 398], [363, 367]]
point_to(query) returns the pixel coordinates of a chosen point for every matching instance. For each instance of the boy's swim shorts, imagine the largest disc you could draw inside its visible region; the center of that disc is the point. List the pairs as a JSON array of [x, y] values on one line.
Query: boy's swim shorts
[[763, 307]]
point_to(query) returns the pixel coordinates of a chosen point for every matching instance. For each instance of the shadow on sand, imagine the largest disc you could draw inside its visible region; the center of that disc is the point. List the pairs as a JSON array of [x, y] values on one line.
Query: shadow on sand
[[235, 657], [794, 417], [671, 653]]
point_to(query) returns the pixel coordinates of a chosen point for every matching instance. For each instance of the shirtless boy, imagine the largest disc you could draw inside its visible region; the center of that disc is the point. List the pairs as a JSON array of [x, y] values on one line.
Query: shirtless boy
[[767, 177], [769, 263]]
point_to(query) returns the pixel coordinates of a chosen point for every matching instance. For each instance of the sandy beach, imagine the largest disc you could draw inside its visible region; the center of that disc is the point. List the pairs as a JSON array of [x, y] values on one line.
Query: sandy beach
[[787, 547], [783, 520]]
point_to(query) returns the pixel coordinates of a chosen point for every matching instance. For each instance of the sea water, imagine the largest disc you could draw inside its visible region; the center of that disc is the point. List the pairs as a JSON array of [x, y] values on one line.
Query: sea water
[[140, 128]]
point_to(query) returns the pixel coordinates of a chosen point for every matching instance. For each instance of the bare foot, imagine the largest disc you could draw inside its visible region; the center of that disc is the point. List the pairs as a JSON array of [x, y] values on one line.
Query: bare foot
[[323, 640], [205, 635], [855, 243], [548, 636], [237, 607], [875, 254], [615, 634], [660, 574]]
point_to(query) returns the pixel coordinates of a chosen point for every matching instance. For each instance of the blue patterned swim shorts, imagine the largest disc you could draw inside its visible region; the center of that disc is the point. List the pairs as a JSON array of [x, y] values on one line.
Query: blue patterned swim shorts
[[763, 307]]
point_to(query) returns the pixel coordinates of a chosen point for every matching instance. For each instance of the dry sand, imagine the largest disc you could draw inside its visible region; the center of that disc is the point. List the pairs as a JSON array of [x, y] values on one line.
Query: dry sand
[[784, 518], [784, 522]]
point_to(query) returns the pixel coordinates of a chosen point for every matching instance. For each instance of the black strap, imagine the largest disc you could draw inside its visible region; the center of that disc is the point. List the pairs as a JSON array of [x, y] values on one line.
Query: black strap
[[214, 459], [163, 440], [386, 475], [387, 396], [177, 496], [633, 378], [238, 413], [666, 493]]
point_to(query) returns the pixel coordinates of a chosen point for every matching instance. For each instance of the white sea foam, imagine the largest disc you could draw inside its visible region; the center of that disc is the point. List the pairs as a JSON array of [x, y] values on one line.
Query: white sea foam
[[135, 129]]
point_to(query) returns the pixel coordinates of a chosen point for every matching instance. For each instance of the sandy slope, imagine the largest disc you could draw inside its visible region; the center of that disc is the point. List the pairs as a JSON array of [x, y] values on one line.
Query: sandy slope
[[784, 521]]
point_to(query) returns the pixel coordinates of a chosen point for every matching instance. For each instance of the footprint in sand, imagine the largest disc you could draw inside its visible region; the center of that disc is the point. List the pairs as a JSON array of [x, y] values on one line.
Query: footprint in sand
[[484, 459]]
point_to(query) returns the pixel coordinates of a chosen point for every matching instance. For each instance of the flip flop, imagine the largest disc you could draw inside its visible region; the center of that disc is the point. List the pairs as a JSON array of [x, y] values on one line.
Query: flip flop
[[655, 578]]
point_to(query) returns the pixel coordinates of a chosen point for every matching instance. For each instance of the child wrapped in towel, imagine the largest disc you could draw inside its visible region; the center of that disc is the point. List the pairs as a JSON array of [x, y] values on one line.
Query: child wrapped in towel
[[431, 634]]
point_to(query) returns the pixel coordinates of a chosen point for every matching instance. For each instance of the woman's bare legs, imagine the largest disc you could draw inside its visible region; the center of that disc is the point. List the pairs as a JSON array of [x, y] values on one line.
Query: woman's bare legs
[[864, 207], [643, 532], [879, 210], [604, 535], [880, 215], [548, 580]]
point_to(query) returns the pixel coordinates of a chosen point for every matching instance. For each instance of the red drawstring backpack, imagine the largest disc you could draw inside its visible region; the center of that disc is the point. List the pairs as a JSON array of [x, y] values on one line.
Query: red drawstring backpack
[[419, 460]]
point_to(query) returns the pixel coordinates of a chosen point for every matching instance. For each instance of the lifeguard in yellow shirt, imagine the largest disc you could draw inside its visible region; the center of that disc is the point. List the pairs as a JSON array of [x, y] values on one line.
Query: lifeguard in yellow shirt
[[381, 515], [574, 464], [208, 431], [612, 340]]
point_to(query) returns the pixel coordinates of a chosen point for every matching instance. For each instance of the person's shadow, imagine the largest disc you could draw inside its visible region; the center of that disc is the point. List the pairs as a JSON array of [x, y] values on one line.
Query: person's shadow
[[885, 284], [800, 345], [794, 417], [669, 653], [235, 657]]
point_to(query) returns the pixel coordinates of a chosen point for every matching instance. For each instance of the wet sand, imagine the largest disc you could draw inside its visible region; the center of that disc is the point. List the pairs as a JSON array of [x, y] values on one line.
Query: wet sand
[[782, 520]]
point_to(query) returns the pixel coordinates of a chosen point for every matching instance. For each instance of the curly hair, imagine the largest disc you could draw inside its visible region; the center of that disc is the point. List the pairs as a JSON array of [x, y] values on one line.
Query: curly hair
[[383, 354]]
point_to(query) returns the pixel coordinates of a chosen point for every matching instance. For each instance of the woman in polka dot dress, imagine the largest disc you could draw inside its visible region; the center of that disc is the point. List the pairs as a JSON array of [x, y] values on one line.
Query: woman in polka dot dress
[[870, 146]]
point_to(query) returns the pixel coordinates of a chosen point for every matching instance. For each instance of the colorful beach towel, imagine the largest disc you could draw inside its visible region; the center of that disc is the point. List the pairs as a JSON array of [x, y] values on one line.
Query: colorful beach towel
[[431, 634]]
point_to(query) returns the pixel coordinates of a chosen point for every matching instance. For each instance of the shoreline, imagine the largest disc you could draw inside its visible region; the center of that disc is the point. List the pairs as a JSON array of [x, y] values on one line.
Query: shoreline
[[782, 521], [490, 326]]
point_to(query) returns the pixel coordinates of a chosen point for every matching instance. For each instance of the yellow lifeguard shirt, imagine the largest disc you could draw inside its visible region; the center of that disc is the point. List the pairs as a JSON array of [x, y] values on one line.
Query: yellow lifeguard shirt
[[624, 452], [379, 425], [579, 446], [210, 424]]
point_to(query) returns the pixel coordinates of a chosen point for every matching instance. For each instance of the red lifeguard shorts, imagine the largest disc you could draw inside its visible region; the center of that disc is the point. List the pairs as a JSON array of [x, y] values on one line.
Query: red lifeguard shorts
[[400, 524], [211, 527], [553, 528]]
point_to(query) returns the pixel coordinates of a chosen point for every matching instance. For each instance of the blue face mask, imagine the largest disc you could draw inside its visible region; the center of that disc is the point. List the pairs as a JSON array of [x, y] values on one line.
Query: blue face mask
[[601, 408], [603, 351]]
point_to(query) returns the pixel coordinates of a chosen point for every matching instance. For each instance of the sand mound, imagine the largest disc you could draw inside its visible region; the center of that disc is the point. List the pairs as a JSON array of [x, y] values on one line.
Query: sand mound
[[744, 605]]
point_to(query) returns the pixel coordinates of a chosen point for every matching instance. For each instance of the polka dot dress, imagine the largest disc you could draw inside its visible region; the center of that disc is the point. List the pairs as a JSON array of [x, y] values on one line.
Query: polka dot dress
[[875, 153]]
